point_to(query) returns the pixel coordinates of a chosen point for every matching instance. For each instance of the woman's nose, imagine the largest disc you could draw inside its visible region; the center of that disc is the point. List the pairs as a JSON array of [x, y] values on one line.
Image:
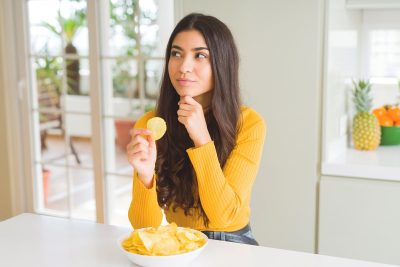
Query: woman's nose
[[186, 65]]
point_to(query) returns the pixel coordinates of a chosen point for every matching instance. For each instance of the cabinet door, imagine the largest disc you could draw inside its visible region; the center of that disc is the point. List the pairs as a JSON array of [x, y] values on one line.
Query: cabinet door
[[360, 219]]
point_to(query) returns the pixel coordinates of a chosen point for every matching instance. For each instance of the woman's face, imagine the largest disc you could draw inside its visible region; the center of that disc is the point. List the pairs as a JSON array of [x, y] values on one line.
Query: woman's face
[[189, 66]]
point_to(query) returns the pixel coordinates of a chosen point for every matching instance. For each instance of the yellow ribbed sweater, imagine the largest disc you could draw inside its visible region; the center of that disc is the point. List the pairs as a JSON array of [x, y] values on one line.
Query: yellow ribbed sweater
[[224, 193]]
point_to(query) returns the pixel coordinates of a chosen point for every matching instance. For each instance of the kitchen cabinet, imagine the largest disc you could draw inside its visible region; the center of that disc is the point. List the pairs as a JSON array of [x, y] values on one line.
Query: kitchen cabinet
[[359, 218]]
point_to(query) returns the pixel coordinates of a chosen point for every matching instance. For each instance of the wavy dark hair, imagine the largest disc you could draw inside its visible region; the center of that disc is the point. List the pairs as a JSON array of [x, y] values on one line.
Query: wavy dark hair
[[176, 179]]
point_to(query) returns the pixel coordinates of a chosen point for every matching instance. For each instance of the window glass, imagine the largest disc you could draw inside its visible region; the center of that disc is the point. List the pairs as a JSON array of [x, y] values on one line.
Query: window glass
[[132, 37], [384, 53]]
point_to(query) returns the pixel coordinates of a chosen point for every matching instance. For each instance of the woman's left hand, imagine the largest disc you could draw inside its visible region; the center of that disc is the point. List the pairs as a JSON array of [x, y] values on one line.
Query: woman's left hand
[[190, 114]]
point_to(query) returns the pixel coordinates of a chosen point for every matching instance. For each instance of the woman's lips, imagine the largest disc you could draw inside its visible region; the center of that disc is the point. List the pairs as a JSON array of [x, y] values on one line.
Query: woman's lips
[[185, 82]]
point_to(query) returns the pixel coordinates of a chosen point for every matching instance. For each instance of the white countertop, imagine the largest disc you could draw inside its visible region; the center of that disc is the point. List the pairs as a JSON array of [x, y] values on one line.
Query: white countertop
[[382, 164], [38, 240]]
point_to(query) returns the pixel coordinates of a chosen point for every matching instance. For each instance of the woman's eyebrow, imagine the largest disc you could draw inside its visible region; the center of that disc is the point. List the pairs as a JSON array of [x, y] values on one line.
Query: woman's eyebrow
[[194, 49], [200, 48]]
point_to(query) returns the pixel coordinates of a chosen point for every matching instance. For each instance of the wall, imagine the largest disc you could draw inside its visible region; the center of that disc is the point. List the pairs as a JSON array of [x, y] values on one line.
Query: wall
[[12, 176], [280, 48], [5, 202], [341, 59]]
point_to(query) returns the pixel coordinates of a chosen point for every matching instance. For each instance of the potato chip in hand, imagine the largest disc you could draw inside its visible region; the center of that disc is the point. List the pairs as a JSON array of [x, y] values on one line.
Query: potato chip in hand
[[157, 126]]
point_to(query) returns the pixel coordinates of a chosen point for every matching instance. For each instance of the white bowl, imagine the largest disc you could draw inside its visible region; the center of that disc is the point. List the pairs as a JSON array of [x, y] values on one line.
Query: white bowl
[[161, 261]]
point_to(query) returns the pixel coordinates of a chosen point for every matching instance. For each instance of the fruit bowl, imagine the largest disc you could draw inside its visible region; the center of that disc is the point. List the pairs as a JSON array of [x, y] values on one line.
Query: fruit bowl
[[390, 135]]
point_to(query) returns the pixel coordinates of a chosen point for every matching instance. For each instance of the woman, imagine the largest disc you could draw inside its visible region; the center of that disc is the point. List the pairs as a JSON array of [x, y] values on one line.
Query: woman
[[202, 170]]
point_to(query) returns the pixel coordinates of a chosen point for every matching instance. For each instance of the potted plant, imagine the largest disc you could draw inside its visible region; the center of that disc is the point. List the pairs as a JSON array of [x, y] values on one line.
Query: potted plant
[[123, 17], [67, 28], [45, 176]]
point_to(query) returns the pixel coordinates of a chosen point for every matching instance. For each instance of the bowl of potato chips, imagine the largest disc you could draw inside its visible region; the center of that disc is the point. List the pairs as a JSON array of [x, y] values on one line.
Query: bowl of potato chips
[[167, 245]]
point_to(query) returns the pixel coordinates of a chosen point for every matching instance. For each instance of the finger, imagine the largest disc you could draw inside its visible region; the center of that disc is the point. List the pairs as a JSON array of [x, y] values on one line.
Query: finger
[[185, 107], [152, 142], [182, 119], [136, 131], [139, 136], [135, 157], [139, 139], [138, 156], [137, 148], [183, 113], [136, 140], [188, 100], [141, 155]]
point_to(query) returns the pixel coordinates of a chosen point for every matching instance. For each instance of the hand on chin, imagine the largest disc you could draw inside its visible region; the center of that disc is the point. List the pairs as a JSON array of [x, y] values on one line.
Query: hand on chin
[[190, 114]]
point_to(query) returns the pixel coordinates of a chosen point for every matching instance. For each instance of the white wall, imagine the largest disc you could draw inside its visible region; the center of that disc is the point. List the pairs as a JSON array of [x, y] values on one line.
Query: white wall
[[343, 30], [280, 47]]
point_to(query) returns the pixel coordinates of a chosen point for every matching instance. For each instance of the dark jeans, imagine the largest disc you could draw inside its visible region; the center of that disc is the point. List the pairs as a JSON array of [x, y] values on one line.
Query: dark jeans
[[244, 236]]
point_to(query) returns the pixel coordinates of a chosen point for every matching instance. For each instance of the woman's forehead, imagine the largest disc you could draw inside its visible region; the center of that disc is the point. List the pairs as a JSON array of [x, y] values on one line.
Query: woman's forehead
[[189, 39]]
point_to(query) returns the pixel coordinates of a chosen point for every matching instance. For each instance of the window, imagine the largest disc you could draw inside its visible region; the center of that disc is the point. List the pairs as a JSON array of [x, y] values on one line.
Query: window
[[82, 114], [381, 45]]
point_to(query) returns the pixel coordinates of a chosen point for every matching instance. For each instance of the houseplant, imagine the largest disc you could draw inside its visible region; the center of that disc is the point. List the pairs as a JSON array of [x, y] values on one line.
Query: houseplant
[[67, 28], [124, 18]]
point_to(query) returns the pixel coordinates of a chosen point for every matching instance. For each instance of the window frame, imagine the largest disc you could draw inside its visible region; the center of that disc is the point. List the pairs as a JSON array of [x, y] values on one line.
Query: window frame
[[20, 119]]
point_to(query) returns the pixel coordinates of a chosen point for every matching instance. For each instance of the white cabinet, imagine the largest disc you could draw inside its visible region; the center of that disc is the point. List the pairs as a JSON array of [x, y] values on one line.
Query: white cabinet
[[360, 218]]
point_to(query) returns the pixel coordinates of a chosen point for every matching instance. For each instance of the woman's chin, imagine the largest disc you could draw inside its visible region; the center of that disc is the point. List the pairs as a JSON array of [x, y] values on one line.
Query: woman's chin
[[183, 92]]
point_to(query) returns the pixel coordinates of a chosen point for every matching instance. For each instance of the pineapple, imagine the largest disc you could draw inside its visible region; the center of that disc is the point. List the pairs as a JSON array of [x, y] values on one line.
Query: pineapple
[[366, 129]]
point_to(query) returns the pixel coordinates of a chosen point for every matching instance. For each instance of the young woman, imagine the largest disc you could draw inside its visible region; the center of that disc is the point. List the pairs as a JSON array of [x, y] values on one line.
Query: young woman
[[201, 172]]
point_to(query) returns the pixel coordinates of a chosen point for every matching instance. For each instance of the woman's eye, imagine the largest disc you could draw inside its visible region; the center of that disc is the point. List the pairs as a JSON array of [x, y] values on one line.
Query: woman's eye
[[175, 54], [201, 55]]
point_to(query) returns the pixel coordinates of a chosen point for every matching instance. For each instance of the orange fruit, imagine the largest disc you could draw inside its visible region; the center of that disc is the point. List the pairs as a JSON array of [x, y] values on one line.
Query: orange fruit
[[394, 114], [379, 112], [397, 123], [385, 121]]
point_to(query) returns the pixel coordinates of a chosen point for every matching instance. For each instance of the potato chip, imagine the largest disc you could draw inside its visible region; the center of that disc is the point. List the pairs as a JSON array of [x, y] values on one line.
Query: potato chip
[[149, 239], [167, 246], [164, 240], [190, 236], [157, 126]]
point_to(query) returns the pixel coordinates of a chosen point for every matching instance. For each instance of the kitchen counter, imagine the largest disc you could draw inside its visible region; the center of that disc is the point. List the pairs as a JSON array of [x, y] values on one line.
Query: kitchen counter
[[380, 164], [38, 240]]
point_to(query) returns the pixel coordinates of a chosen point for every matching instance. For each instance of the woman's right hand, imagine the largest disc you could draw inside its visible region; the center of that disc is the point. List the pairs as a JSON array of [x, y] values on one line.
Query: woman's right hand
[[142, 155]]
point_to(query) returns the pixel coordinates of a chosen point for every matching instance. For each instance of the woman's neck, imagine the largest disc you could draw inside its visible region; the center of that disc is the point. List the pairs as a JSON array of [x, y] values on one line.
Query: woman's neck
[[205, 100]]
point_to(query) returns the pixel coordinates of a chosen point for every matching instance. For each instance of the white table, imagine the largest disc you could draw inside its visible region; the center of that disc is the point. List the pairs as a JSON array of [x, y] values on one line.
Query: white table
[[37, 240]]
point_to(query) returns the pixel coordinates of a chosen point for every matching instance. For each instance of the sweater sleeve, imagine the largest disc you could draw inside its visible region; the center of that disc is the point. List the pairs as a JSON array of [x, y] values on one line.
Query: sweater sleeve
[[222, 192], [144, 210]]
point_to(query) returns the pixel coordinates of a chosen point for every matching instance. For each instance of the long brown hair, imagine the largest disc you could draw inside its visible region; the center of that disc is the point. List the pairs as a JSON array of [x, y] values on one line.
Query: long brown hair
[[176, 179]]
